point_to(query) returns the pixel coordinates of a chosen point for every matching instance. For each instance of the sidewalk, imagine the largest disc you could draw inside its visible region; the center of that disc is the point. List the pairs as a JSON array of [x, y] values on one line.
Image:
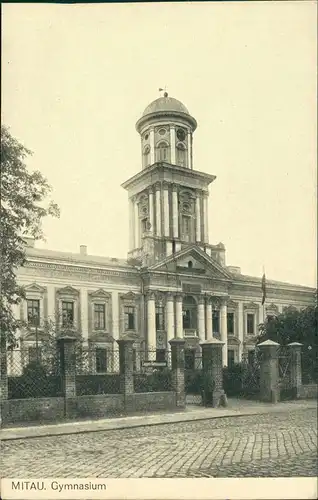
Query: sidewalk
[[235, 408]]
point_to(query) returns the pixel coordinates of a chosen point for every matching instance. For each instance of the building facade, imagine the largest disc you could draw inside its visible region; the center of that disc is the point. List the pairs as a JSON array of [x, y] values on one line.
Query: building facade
[[174, 282]]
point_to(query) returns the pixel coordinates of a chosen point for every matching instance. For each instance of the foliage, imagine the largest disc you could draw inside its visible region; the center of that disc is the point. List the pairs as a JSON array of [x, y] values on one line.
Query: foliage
[[296, 326], [87, 385], [35, 382], [193, 381], [22, 210], [159, 380]]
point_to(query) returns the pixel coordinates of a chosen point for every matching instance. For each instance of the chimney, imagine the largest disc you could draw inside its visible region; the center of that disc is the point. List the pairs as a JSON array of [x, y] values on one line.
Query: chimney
[[83, 250], [29, 242]]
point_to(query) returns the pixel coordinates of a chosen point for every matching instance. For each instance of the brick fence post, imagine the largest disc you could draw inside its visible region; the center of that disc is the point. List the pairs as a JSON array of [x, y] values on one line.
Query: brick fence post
[[3, 379], [66, 348], [126, 369], [212, 367], [177, 366], [269, 373], [294, 349]]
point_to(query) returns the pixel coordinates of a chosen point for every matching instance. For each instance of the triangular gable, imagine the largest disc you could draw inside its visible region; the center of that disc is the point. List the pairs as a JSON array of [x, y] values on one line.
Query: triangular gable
[[201, 262], [34, 288]]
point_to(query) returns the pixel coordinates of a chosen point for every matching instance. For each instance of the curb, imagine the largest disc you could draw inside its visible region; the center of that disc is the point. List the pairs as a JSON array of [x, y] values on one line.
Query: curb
[[132, 425]]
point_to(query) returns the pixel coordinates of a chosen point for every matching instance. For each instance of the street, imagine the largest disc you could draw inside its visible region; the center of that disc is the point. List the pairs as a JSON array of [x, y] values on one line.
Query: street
[[280, 444]]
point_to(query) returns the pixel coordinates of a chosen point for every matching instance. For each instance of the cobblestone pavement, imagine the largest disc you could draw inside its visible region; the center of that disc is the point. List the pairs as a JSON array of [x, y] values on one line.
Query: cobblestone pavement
[[280, 444]]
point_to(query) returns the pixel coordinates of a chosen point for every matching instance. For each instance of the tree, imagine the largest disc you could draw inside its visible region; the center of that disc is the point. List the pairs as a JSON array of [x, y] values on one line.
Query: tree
[[296, 326], [23, 207]]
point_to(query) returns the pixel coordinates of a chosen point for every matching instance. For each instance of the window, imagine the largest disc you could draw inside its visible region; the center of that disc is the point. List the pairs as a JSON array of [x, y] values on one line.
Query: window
[[230, 357], [250, 324], [101, 360], [216, 321], [160, 355], [129, 313], [67, 313], [34, 354], [173, 247], [230, 323], [185, 227], [181, 155], [162, 152], [270, 317], [189, 313], [144, 225], [99, 316], [251, 357], [33, 312], [160, 318], [189, 359], [190, 264]]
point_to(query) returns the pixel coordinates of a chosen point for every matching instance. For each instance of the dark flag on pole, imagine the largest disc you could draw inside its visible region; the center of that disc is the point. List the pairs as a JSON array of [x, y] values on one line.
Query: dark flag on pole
[[263, 289]]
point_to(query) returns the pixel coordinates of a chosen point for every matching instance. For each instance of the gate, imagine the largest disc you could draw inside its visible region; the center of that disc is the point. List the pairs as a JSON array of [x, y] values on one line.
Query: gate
[[193, 377], [250, 375], [284, 373]]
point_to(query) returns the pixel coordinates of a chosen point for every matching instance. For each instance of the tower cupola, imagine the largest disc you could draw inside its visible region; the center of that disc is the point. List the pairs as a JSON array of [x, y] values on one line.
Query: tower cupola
[[166, 129]]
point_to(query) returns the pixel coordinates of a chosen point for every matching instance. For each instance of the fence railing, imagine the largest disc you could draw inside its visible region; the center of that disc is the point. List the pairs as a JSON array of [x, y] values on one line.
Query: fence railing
[[97, 372], [152, 371]]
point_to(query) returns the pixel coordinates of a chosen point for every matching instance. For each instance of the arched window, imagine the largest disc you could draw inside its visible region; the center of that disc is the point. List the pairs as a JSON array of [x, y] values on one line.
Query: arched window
[[146, 161], [162, 151], [181, 155], [189, 313]]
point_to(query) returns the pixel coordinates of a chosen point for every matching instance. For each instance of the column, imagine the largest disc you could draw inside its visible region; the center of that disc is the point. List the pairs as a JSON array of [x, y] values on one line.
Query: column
[[126, 372], [269, 374], [223, 327], [151, 211], [179, 317], [213, 392], [209, 334], [137, 226], [84, 313], [170, 317], [295, 368], [152, 145], [131, 225], [198, 219], [166, 216], [151, 326], [115, 315], [201, 319], [173, 144], [206, 218], [158, 210], [175, 212], [240, 330], [177, 362], [189, 149]]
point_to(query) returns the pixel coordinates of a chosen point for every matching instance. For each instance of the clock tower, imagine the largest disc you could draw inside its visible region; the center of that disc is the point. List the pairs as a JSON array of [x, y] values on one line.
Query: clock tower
[[168, 198]]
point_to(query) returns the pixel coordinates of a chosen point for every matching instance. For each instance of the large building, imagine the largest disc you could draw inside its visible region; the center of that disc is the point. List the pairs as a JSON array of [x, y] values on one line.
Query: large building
[[174, 283]]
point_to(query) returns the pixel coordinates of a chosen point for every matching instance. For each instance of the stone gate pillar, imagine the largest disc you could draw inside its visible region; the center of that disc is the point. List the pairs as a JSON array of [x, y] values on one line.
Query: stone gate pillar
[[269, 374], [3, 380], [66, 349], [126, 372], [294, 349], [212, 366], [177, 365]]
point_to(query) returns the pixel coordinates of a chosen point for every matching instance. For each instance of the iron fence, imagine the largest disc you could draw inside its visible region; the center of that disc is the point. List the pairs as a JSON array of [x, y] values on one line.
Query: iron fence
[[97, 372], [33, 374], [152, 370]]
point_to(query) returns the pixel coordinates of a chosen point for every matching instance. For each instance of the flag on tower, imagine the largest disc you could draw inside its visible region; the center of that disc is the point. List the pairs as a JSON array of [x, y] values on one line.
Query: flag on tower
[[264, 288]]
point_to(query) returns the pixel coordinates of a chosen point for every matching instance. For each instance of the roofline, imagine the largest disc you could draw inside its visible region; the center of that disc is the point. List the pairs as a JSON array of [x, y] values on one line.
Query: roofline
[[169, 114]]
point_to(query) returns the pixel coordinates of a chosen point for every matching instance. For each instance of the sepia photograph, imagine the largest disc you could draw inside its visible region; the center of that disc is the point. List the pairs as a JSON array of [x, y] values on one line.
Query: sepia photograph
[[158, 249]]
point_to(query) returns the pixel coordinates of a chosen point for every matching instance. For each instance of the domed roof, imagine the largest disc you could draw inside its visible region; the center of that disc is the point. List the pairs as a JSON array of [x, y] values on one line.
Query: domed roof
[[165, 103]]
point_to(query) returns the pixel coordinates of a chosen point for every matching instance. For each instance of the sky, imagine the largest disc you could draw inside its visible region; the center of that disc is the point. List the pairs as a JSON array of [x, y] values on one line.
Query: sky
[[76, 78]]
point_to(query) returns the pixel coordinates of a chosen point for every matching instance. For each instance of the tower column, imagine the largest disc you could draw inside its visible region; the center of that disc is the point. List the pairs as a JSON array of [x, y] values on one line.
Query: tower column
[[189, 149], [179, 322], [151, 212], [152, 145], [175, 221], [158, 210], [206, 218], [173, 144], [136, 224], [223, 321], [198, 218], [151, 326], [131, 225], [166, 216]]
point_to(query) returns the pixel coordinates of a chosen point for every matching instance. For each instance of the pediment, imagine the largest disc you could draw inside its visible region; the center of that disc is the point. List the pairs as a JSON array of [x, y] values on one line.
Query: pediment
[[250, 305], [129, 296], [272, 307], [192, 260], [34, 288], [101, 337], [100, 293], [67, 290]]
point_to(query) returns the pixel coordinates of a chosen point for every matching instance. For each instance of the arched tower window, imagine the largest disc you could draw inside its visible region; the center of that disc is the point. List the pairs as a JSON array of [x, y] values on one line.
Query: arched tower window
[[181, 155], [146, 156], [163, 151]]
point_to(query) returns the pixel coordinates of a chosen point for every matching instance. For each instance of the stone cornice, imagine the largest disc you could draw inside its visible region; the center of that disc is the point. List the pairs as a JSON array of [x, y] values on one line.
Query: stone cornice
[[78, 268]]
